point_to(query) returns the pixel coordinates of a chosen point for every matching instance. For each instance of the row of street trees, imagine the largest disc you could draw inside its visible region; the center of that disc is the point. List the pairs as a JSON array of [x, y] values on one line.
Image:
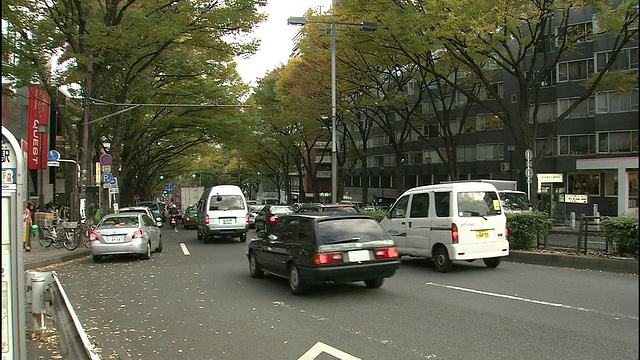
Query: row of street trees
[[449, 54]]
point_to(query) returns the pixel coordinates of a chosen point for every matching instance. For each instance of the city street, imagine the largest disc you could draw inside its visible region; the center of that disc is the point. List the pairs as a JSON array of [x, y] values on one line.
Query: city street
[[198, 301]]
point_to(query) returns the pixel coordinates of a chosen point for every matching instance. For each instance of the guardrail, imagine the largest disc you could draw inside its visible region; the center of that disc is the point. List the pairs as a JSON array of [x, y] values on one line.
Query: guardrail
[[45, 292]]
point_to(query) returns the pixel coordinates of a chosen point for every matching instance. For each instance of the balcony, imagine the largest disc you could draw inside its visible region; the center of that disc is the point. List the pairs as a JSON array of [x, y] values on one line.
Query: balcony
[[323, 174], [323, 159]]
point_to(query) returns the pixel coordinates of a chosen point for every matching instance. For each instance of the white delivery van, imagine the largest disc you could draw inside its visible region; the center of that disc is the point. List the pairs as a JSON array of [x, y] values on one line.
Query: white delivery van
[[452, 221], [222, 212]]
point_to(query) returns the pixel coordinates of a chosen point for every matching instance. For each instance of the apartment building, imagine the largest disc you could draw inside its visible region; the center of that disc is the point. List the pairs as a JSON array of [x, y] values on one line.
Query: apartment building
[[591, 165]]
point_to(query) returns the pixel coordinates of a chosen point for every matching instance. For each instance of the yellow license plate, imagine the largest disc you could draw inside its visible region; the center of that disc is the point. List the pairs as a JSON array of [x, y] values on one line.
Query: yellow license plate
[[482, 234]]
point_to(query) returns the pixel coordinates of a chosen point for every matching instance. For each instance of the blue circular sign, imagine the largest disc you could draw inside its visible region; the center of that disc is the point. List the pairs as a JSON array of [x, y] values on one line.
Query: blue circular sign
[[53, 155], [105, 159]]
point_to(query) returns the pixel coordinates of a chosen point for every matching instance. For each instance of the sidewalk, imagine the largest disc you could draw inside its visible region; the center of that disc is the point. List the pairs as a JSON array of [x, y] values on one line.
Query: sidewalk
[[40, 256]]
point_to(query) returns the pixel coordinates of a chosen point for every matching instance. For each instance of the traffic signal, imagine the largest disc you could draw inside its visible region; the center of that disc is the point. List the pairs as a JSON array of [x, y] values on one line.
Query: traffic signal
[[194, 175], [161, 177]]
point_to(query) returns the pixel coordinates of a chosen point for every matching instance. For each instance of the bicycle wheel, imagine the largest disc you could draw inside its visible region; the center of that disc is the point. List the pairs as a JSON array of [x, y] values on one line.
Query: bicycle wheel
[[70, 240], [85, 237], [45, 239], [58, 241]]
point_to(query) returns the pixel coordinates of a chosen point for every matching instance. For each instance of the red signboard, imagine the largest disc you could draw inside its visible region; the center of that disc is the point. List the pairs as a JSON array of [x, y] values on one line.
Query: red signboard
[[37, 113]]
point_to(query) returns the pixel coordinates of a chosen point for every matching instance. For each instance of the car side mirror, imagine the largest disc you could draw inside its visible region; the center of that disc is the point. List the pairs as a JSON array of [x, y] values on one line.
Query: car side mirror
[[262, 234]]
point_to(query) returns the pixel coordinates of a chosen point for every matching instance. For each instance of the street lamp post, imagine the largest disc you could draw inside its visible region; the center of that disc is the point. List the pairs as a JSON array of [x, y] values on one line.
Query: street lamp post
[[41, 129], [365, 26]]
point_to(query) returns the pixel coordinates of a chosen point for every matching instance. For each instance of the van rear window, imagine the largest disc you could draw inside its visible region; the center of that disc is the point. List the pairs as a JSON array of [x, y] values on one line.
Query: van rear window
[[478, 203], [226, 202]]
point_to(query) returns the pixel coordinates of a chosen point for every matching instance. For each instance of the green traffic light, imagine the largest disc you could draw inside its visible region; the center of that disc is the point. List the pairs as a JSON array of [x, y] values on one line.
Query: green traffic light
[[161, 177], [194, 175]]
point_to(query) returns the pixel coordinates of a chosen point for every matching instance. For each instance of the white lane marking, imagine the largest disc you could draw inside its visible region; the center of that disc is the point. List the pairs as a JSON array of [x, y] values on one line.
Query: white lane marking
[[185, 251], [322, 348], [533, 301]]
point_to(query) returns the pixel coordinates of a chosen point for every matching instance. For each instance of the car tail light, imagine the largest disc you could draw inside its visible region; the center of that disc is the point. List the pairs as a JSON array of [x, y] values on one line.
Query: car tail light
[[454, 233], [188, 218], [386, 253], [206, 220], [137, 234], [248, 218], [327, 258], [506, 232], [93, 236], [272, 218]]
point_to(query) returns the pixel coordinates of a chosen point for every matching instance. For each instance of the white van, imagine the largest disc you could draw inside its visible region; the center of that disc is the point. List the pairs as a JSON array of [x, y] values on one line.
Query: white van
[[452, 221], [222, 211]]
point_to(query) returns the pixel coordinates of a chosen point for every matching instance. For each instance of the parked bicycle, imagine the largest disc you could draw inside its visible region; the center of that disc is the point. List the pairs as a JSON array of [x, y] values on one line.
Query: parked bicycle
[[59, 235], [82, 232]]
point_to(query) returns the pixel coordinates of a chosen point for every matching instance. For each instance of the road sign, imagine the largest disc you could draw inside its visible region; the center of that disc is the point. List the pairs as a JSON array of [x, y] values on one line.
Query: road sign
[[167, 187], [107, 177], [53, 155], [528, 172], [105, 159], [53, 163], [106, 168], [528, 154]]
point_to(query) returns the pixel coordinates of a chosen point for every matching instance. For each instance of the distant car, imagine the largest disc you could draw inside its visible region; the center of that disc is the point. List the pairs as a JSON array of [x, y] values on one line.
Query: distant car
[[156, 207], [190, 217], [269, 215], [253, 212], [310, 249], [125, 233], [142, 209], [336, 208]]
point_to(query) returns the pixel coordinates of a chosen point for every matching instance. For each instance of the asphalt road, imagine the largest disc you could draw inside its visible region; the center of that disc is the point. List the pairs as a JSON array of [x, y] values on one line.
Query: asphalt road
[[204, 305]]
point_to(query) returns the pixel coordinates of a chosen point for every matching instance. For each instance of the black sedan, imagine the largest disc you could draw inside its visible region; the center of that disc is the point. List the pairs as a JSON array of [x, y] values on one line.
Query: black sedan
[[310, 249], [269, 214]]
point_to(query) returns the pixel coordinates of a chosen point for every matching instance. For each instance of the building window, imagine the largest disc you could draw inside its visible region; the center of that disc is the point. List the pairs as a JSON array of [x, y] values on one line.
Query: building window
[[488, 122], [410, 87], [552, 150], [467, 153], [430, 157], [490, 152], [611, 184], [415, 158], [483, 94], [580, 32], [618, 141], [547, 112], [584, 184], [575, 70], [585, 109], [389, 160], [610, 101], [577, 144], [627, 59], [633, 189], [378, 140]]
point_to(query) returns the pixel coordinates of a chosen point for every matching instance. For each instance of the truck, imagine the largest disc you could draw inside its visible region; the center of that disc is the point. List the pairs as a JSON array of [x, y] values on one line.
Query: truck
[[184, 196]]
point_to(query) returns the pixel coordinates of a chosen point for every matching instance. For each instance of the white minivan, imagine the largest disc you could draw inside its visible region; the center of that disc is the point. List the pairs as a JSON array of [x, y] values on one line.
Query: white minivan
[[452, 221], [222, 212]]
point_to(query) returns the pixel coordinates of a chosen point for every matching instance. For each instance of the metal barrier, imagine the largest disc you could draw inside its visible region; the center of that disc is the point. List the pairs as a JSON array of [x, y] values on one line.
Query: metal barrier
[[44, 291], [584, 231]]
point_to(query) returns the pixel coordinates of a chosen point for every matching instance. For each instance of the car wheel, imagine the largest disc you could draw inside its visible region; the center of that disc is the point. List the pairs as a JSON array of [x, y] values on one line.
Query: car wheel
[[243, 237], [96, 258], [492, 262], [159, 249], [441, 260], [147, 254], [296, 284], [254, 267], [374, 283]]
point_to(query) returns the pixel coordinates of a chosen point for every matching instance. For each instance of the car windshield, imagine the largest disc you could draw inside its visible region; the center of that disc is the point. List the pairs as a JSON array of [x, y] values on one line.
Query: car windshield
[[340, 230], [515, 201], [150, 205], [256, 208], [226, 202], [281, 209], [120, 221], [478, 203]]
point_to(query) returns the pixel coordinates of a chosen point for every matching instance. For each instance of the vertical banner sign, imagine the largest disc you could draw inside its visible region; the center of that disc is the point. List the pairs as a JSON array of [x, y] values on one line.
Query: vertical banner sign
[[37, 113]]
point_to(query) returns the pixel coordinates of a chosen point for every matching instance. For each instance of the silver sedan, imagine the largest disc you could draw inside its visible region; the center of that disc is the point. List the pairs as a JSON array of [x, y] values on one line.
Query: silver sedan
[[125, 233]]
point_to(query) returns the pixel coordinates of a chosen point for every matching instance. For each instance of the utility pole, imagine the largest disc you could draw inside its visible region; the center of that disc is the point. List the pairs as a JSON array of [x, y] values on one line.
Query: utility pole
[[85, 140]]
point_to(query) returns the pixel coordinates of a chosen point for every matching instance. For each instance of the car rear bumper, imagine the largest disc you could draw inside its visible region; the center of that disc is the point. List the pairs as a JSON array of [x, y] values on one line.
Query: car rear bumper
[[478, 251], [216, 231], [137, 246], [349, 273]]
